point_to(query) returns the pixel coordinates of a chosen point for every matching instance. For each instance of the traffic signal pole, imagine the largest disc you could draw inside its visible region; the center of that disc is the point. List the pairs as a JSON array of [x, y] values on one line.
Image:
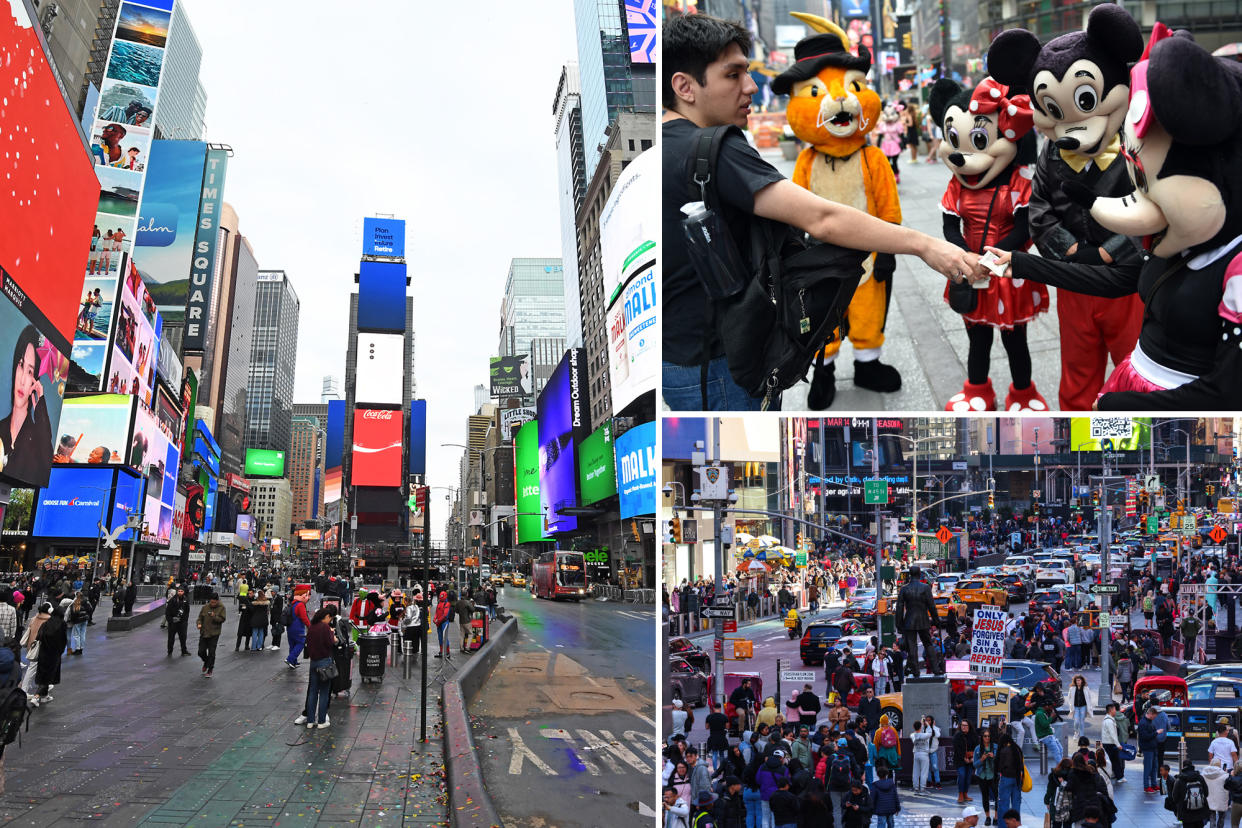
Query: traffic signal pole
[[718, 549], [879, 533]]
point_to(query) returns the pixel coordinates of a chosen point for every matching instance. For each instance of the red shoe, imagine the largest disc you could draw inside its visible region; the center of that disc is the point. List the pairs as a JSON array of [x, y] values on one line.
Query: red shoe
[[1028, 399], [973, 398]]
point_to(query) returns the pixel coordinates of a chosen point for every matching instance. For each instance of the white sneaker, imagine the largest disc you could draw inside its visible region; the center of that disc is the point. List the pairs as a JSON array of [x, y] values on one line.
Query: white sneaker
[[326, 721], [47, 699], [34, 701], [300, 720], [273, 647], [310, 725]]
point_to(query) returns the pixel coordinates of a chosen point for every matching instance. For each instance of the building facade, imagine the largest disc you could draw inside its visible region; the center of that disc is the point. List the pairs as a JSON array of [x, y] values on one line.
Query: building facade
[[181, 113], [571, 189], [271, 503], [234, 347], [304, 465], [533, 304], [273, 361]]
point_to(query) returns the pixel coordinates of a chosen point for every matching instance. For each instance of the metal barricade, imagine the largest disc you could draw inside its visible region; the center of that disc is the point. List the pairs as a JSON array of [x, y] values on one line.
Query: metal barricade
[[394, 648]]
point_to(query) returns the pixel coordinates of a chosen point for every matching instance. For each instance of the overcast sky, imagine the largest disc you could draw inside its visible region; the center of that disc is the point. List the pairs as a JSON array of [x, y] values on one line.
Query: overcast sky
[[436, 113]]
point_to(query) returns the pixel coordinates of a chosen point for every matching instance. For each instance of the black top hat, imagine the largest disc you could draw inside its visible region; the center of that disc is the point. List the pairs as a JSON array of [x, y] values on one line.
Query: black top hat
[[814, 53]]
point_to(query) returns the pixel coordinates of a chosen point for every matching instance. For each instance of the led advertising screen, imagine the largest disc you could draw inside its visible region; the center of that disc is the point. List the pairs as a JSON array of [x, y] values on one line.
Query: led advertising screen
[[418, 437], [640, 20], [379, 379], [628, 231], [136, 339], [376, 459], [128, 501], [264, 463], [164, 245], [95, 430], [597, 477], [526, 484], [49, 205], [383, 237], [154, 453], [1113, 433], [562, 415], [381, 296], [510, 376], [334, 451], [74, 502], [636, 470], [244, 532]]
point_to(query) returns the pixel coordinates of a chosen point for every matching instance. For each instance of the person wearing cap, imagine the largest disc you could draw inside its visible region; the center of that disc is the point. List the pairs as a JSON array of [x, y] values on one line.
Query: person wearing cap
[[177, 619], [970, 817], [300, 626]]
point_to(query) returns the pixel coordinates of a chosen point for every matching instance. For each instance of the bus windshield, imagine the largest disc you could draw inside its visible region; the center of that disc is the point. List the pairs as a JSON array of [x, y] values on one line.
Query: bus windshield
[[570, 570]]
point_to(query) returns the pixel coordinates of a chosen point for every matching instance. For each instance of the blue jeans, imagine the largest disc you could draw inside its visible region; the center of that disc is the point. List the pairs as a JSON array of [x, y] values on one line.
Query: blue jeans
[[1080, 720], [1151, 769], [682, 389], [765, 815], [257, 636], [718, 757], [77, 636], [964, 774], [1056, 752], [297, 642], [318, 692], [751, 799], [883, 821], [933, 764], [1009, 795]]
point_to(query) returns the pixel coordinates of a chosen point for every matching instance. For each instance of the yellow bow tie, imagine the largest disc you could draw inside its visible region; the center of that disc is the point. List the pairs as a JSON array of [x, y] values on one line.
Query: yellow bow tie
[[1077, 161]]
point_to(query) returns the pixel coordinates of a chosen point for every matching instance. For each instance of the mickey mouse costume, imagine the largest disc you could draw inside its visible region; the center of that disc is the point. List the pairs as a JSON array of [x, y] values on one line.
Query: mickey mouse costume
[[987, 144], [1182, 142]]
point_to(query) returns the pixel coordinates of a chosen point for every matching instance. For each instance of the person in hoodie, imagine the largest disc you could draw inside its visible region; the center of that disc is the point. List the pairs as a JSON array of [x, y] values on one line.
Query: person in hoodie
[[676, 811], [729, 810], [887, 743], [1188, 788], [1086, 786], [856, 806], [1218, 798], [1058, 796], [885, 803], [769, 775], [784, 805], [768, 714]]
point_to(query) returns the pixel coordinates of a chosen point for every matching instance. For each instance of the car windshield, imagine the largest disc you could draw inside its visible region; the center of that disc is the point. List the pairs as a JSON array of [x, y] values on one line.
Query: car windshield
[[826, 632]]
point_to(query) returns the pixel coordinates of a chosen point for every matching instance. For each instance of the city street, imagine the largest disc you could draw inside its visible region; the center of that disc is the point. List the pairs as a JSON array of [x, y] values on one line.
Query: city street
[[925, 339], [772, 642], [136, 738], [564, 725]]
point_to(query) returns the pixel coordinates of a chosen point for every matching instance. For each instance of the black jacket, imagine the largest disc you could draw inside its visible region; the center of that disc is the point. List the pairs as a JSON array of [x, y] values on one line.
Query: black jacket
[[730, 811], [869, 709], [177, 610], [915, 607], [1057, 222], [1178, 797]]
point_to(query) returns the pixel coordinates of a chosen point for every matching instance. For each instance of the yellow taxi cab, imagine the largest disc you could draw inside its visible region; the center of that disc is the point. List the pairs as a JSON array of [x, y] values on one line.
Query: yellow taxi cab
[[944, 602], [497, 579], [519, 580], [980, 591]]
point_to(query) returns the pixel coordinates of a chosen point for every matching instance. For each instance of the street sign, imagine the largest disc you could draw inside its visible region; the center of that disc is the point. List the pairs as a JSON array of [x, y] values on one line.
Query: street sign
[[931, 549], [797, 676], [959, 465], [722, 601], [1106, 621], [1189, 525], [875, 492], [1106, 589], [1151, 483], [1153, 524], [800, 559], [730, 626], [1218, 535], [944, 535], [717, 612], [1035, 494]]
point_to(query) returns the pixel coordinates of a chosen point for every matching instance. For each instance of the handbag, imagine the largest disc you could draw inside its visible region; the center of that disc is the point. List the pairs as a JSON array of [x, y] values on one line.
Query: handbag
[[1027, 784], [1128, 752], [963, 298], [328, 672]]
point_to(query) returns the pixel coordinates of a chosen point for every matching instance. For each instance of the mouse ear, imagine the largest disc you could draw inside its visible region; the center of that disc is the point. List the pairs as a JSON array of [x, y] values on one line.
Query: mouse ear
[[1202, 113], [944, 91], [1011, 57], [1111, 30]]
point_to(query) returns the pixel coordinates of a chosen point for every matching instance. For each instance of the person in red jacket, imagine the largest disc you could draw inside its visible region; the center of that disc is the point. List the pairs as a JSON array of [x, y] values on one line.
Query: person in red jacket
[[301, 623], [442, 619]]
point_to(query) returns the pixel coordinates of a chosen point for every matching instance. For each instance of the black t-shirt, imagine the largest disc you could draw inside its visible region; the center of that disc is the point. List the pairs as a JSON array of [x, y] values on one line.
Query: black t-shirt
[[740, 173]]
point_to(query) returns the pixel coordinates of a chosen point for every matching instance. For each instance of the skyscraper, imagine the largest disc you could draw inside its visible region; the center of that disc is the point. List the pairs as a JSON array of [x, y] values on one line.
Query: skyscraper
[[273, 359], [533, 305], [331, 389], [182, 109], [302, 463], [571, 188], [608, 79], [234, 348]]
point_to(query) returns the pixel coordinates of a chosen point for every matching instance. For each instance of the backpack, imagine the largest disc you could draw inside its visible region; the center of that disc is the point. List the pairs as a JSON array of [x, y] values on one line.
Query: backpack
[[286, 616], [1195, 797], [776, 312], [14, 712], [839, 772], [888, 738]]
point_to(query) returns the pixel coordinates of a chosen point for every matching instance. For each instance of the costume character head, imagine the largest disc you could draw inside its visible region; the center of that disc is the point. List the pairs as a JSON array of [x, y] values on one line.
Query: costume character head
[[831, 107], [1182, 142], [985, 130], [1078, 83]]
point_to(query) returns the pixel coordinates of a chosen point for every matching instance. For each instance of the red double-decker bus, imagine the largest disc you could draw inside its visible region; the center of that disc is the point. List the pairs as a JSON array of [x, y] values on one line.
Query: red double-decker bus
[[560, 574]]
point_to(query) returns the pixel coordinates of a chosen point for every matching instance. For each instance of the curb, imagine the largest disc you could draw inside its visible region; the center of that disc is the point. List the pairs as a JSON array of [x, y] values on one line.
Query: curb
[[469, 802]]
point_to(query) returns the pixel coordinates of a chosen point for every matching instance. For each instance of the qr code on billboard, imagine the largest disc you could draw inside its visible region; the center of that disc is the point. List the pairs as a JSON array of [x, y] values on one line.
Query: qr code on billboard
[[1113, 428]]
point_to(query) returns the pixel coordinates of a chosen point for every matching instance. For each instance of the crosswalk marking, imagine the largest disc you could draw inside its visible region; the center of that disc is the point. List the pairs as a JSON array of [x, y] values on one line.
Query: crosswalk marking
[[641, 741], [641, 616], [564, 735], [520, 752], [609, 747]]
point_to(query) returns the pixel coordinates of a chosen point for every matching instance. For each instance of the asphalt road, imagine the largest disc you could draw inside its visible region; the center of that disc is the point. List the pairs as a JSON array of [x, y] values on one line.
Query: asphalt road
[[565, 725]]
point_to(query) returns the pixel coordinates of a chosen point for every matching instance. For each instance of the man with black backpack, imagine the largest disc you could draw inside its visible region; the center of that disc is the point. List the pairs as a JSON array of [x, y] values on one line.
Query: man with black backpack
[[706, 84], [1189, 798]]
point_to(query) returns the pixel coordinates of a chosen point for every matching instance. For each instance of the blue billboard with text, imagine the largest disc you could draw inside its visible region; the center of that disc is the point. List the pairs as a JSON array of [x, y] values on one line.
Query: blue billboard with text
[[383, 237], [636, 470]]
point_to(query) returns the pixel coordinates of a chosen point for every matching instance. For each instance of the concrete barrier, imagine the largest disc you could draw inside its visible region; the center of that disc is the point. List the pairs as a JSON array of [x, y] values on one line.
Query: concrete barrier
[[143, 614], [469, 802]]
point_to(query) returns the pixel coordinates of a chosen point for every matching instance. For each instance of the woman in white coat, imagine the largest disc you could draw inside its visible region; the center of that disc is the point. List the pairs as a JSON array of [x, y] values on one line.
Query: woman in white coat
[[1218, 797]]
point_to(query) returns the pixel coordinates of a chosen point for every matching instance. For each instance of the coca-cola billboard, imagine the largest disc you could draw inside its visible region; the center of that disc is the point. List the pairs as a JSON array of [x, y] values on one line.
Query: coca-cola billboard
[[377, 447]]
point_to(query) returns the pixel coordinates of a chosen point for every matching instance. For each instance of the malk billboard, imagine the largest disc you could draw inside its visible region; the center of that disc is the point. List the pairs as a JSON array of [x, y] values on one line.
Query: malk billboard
[[526, 484], [381, 296], [562, 417], [376, 458], [636, 470], [95, 430]]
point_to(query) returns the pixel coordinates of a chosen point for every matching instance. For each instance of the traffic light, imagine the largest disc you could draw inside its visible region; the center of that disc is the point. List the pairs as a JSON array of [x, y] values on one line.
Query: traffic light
[[1095, 497], [674, 527], [991, 500], [1210, 489]]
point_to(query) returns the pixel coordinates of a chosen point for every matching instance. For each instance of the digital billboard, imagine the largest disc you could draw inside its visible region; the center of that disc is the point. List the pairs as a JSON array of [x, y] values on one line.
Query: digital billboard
[[127, 501], [164, 243], [511, 420], [135, 341], [562, 417], [418, 437], [378, 378], [334, 451], [641, 20], [95, 430], [244, 532], [510, 376], [636, 470], [155, 454], [628, 231], [381, 296], [198, 302], [383, 237], [597, 477], [526, 484], [1115, 433], [50, 189], [75, 501], [264, 463], [376, 458]]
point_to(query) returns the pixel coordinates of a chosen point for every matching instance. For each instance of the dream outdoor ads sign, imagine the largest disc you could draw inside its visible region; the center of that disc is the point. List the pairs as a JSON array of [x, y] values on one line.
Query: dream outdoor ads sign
[[562, 416]]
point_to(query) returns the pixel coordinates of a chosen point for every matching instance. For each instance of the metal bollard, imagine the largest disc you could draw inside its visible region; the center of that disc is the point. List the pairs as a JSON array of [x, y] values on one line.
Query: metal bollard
[[1043, 759], [407, 654], [1181, 752], [394, 648]]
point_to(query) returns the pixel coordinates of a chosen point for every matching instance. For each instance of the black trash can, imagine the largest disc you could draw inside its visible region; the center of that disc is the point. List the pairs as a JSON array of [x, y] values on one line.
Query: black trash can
[[372, 653]]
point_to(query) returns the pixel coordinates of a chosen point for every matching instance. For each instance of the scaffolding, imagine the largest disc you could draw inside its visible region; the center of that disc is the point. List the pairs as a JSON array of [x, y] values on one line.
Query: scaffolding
[[1192, 603]]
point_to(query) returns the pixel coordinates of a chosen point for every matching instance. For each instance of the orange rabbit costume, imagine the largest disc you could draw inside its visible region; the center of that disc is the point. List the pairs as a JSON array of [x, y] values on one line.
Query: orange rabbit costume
[[832, 109]]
